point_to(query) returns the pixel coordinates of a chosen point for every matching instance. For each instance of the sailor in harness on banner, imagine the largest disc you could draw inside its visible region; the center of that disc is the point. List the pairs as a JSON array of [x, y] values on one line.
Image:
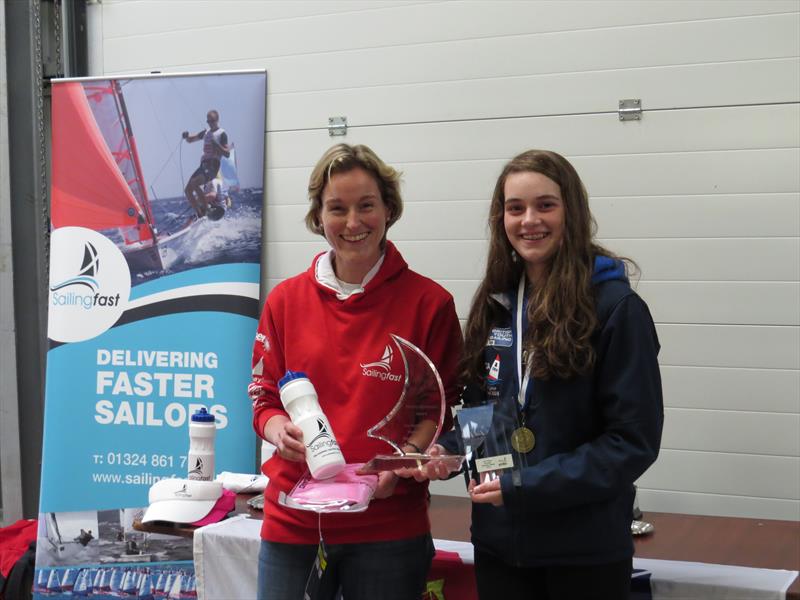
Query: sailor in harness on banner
[[215, 146]]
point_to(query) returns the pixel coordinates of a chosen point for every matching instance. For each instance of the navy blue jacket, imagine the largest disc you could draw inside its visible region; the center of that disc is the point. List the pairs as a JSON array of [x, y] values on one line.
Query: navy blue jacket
[[571, 502]]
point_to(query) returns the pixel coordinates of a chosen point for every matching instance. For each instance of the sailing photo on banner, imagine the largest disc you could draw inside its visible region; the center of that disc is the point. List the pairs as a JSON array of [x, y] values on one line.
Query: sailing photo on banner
[[156, 218], [156, 194]]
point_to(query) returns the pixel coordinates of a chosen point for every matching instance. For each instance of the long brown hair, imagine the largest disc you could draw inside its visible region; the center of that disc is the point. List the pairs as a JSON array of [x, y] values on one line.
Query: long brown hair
[[561, 309]]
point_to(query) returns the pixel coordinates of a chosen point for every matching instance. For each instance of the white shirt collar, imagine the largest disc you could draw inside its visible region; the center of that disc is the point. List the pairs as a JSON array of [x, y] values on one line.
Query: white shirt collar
[[326, 276]]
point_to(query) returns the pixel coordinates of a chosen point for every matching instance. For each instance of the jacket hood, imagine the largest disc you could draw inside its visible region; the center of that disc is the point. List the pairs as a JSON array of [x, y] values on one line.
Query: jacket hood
[[607, 269]]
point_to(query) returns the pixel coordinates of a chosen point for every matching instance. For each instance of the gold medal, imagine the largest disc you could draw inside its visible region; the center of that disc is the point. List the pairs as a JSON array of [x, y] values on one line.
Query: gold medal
[[523, 440]]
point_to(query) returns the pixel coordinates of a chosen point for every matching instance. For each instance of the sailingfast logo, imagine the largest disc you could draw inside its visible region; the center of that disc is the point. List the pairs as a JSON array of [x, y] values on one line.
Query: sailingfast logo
[[197, 468], [64, 294], [90, 284], [182, 493], [381, 369], [323, 440]]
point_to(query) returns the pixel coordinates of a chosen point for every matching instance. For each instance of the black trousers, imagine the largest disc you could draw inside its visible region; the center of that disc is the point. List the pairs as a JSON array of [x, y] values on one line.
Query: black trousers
[[499, 581]]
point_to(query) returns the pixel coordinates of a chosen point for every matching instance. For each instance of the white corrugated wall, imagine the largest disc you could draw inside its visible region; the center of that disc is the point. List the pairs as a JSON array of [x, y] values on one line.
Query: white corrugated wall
[[703, 192]]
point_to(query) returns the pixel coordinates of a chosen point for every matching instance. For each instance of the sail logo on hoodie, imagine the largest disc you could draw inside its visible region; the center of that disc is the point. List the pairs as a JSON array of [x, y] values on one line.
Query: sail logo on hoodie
[[381, 369], [90, 284]]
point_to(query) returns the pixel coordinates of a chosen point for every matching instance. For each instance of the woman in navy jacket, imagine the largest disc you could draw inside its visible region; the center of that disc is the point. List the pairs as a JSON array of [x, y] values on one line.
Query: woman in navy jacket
[[565, 352]]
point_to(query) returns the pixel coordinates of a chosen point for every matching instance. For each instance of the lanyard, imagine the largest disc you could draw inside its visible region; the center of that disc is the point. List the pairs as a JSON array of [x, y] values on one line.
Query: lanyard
[[523, 379]]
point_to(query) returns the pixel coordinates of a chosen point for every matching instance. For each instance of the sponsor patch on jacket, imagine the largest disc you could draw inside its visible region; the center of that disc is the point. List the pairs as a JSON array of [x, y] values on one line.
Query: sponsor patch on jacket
[[500, 336], [493, 380]]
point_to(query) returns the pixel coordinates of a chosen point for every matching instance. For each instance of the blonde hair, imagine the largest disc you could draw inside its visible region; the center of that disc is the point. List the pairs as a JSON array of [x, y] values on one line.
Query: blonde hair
[[342, 158]]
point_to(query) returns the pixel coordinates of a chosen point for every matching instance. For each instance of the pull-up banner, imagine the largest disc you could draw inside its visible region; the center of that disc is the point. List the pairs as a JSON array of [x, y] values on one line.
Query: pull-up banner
[[157, 189]]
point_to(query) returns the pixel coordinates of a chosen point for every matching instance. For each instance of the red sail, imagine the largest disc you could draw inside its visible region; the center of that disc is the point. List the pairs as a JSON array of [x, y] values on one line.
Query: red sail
[[88, 188]]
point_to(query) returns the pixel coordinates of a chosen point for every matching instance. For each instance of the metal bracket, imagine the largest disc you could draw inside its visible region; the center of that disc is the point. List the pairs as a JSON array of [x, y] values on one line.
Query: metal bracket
[[337, 126], [630, 109]]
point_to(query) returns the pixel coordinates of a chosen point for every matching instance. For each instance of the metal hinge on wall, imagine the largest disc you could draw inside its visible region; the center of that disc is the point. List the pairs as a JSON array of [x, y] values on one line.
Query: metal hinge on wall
[[630, 109], [337, 126]]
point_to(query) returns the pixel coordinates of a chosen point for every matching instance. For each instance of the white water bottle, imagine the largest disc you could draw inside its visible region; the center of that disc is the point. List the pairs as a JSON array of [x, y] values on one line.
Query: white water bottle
[[323, 456], [202, 431]]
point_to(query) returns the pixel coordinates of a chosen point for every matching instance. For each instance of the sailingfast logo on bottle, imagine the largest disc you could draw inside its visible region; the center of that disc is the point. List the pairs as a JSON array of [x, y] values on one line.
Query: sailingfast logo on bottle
[[323, 440], [197, 468], [90, 284], [381, 369]]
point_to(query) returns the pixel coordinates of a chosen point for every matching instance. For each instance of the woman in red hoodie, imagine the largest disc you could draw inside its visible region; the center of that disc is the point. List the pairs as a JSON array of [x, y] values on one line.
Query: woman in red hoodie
[[333, 322]]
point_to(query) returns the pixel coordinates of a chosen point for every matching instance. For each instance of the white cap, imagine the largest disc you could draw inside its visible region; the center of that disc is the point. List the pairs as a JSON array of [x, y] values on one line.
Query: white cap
[[181, 500]]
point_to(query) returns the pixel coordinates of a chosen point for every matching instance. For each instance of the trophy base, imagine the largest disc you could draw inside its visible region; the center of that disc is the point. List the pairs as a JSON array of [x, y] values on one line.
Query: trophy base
[[390, 462]]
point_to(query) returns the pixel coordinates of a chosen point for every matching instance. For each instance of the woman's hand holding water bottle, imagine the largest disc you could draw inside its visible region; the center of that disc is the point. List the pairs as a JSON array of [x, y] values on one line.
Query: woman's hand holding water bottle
[[286, 437]]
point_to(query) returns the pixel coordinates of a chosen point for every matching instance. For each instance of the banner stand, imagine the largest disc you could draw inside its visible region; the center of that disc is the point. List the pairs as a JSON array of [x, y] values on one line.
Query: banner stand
[[157, 195]]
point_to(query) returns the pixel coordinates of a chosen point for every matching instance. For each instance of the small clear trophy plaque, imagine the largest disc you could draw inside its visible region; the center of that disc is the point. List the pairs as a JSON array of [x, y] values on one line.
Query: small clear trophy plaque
[[422, 398], [493, 440]]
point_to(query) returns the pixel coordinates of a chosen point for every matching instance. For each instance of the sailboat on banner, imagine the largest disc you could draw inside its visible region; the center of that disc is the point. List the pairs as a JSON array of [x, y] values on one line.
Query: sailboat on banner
[[94, 130], [68, 531], [136, 542], [97, 177]]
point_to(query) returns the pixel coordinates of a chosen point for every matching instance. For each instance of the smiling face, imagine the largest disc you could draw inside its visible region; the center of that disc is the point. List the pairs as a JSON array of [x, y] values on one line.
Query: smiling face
[[353, 217], [533, 217]]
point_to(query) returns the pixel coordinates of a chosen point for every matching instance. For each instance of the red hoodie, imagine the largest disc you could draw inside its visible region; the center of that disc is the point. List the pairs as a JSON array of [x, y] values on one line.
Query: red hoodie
[[305, 327], [14, 542]]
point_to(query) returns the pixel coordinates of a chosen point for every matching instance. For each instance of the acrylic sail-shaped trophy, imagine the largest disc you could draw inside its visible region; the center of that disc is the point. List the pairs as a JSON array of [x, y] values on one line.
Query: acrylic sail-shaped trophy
[[422, 399], [417, 415]]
